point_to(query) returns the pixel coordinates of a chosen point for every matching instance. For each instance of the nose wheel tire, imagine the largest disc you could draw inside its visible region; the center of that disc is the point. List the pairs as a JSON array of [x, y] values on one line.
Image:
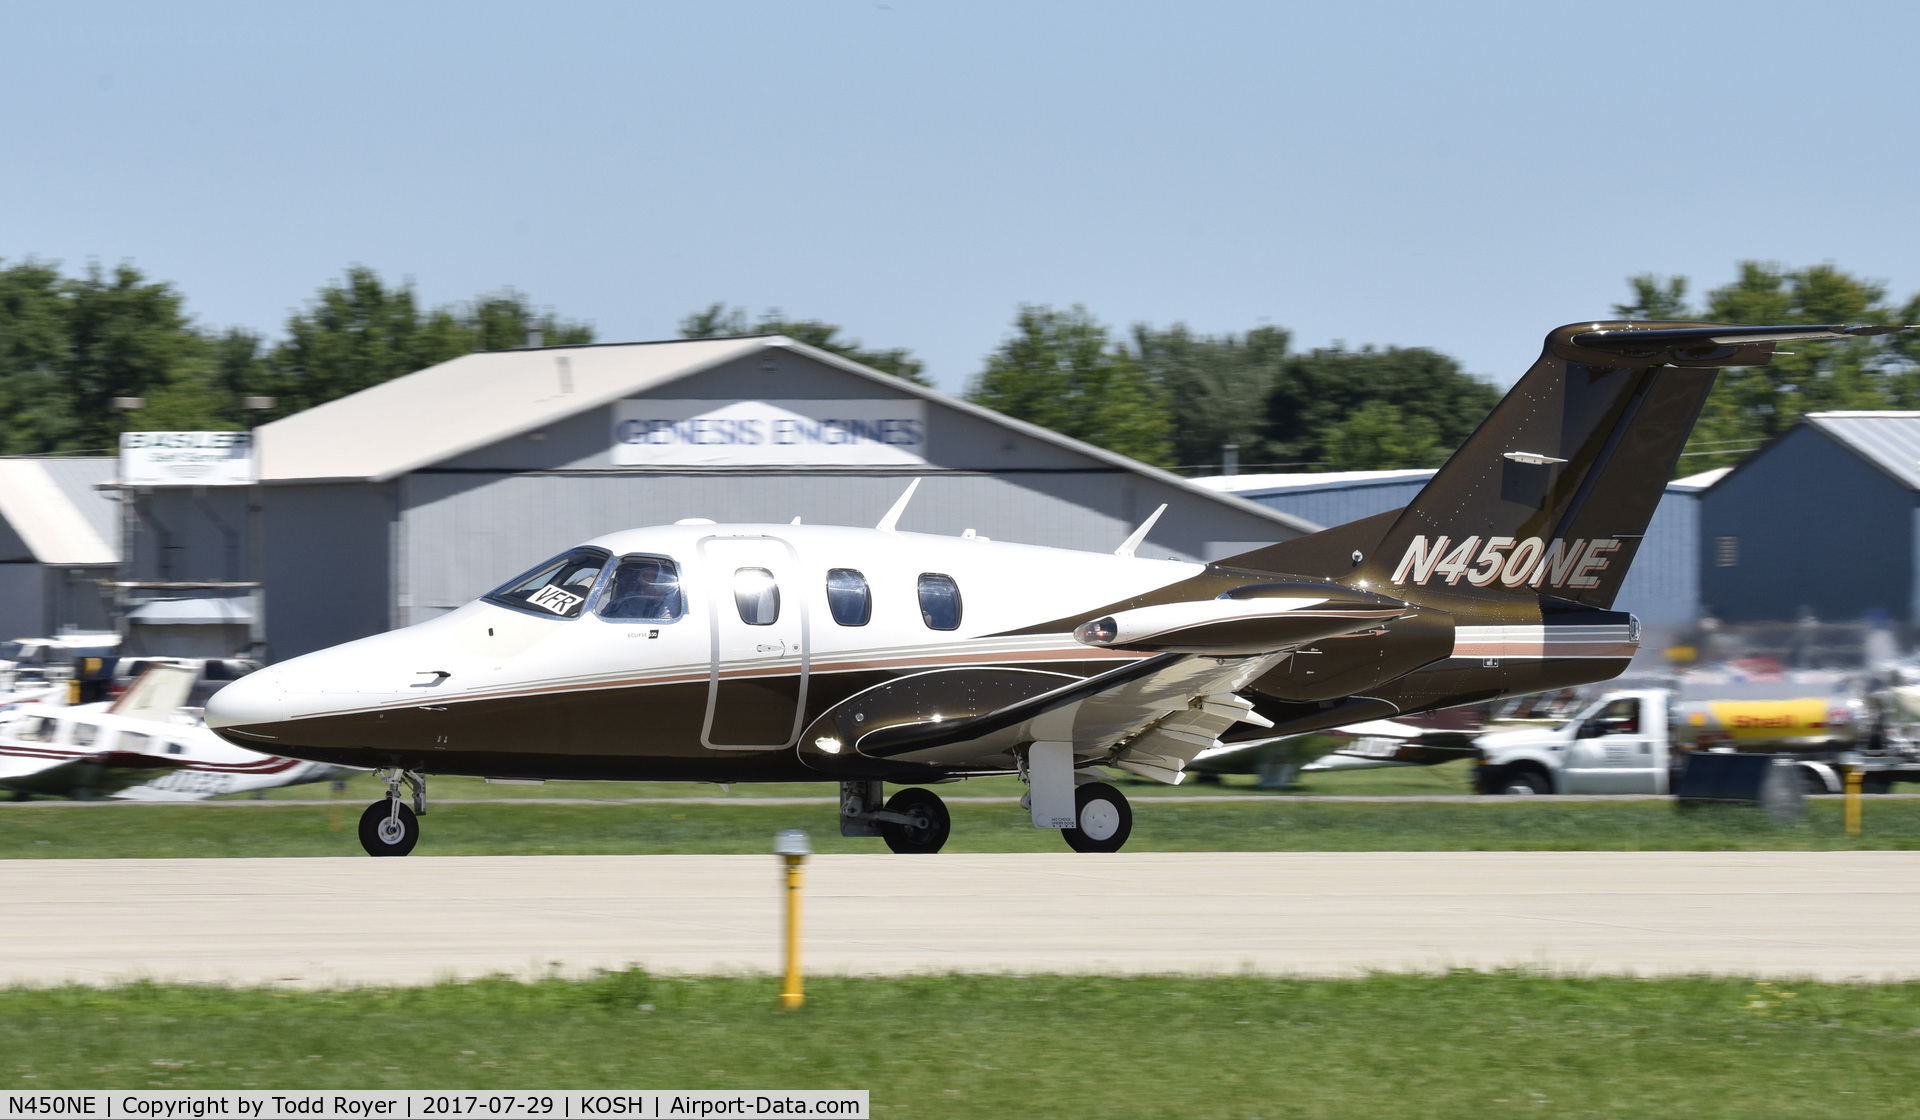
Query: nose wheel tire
[[1106, 820], [931, 824], [386, 833]]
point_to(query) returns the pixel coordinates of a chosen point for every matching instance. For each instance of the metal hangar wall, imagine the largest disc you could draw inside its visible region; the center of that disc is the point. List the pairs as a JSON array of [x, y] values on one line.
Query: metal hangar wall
[[1823, 521]]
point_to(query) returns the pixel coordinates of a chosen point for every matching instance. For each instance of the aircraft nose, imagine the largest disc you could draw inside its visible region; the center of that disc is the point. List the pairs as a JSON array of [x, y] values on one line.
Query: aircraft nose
[[257, 698]]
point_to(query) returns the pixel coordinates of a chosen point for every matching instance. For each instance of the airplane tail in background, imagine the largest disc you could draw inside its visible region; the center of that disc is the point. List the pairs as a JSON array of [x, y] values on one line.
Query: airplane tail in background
[[1553, 492]]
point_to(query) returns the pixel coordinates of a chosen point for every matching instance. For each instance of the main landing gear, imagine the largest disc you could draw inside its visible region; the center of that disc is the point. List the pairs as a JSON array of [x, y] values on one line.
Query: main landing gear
[[1106, 820], [915, 820], [389, 827]]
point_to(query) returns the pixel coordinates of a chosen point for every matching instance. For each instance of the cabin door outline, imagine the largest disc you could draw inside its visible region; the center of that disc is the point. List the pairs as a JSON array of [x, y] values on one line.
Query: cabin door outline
[[756, 675]]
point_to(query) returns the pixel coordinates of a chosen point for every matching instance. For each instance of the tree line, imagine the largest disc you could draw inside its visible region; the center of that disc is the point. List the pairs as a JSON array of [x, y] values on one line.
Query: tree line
[[71, 345], [1752, 405]]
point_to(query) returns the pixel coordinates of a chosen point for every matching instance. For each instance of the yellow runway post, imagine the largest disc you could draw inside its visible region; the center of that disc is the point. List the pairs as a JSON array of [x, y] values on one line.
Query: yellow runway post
[[1853, 801], [792, 848]]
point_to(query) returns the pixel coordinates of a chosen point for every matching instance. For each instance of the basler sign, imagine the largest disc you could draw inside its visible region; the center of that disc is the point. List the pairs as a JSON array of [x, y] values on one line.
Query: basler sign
[[659, 433], [186, 458]]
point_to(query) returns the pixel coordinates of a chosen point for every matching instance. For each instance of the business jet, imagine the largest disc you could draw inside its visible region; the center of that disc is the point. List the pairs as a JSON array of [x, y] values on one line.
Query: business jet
[[740, 653], [143, 746]]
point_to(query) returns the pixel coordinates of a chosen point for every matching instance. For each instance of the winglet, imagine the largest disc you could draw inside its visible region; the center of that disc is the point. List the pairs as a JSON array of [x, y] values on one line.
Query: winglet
[[890, 523], [1127, 546]]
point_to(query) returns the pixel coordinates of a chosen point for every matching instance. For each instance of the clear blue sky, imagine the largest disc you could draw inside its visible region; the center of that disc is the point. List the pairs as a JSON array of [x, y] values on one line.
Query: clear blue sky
[[1463, 176]]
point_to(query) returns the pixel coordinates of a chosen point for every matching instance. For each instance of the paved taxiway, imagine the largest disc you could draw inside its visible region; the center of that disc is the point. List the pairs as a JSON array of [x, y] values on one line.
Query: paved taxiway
[[321, 921]]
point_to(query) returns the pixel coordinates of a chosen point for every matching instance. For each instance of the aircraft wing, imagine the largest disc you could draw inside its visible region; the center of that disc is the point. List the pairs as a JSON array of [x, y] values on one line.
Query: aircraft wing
[[1355, 746], [1150, 716], [85, 777]]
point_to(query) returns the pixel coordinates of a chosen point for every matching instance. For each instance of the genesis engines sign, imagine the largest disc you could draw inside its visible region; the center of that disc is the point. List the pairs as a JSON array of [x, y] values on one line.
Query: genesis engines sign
[[186, 458], [648, 433]]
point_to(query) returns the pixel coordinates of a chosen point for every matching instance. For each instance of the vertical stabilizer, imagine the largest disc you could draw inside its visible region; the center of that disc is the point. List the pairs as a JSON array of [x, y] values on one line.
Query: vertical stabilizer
[[1553, 492]]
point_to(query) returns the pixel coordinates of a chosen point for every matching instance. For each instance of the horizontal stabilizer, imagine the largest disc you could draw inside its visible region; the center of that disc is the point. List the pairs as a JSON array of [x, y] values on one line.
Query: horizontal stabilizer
[[1636, 340]]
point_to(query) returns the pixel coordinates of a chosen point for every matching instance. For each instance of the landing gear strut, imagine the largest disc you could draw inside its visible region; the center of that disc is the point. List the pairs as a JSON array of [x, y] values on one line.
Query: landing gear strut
[[389, 827]]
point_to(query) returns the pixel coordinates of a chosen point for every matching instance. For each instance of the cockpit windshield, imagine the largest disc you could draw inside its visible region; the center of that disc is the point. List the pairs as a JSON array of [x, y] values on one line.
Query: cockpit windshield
[[558, 588], [642, 589]]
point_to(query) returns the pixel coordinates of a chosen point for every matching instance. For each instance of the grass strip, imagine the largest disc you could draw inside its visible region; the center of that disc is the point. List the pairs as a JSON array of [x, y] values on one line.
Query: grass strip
[[1522, 824], [1461, 1044]]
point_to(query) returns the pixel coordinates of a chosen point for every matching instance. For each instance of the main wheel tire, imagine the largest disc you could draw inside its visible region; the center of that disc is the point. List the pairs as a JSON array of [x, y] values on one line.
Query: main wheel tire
[[1106, 820], [1525, 783], [381, 834], [931, 828]]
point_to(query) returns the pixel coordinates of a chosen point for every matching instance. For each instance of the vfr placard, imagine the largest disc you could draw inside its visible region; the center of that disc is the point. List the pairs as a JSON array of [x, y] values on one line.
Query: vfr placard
[[661, 433]]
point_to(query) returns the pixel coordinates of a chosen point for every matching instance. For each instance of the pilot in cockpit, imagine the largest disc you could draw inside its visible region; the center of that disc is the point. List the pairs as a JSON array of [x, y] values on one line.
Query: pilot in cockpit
[[642, 587]]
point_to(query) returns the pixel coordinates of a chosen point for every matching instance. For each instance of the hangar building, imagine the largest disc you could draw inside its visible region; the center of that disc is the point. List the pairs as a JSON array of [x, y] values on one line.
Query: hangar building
[[405, 500], [59, 537], [1662, 587], [1824, 520]]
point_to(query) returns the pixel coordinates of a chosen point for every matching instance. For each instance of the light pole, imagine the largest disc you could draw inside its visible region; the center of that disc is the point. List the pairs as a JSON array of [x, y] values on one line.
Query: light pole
[[793, 849]]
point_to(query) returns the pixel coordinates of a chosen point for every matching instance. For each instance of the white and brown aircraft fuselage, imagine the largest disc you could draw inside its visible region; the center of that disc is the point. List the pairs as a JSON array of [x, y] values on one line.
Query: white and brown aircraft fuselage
[[724, 653]]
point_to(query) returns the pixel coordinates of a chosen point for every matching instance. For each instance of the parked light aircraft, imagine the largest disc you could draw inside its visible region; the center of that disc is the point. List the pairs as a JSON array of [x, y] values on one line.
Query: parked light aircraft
[[141, 747], [734, 653]]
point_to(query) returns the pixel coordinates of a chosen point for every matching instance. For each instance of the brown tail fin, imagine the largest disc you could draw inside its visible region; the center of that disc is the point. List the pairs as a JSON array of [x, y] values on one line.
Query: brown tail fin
[[1553, 492]]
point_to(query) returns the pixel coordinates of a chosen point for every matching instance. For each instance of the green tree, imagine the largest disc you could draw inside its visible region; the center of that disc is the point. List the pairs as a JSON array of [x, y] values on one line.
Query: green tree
[[506, 320], [36, 401], [1318, 392], [721, 321], [355, 334], [1216, 388], [1655, 298], [1061, 371], [1378, 436], [1750, 405], [361, 332], [69, 346]]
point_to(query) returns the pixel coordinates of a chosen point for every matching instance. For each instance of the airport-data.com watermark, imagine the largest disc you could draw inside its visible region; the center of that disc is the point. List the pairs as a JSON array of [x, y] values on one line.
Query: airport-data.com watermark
[[254, 1104]]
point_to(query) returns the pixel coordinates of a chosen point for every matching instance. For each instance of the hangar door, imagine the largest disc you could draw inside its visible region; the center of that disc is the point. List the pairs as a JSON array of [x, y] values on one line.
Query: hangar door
[[756, 609]]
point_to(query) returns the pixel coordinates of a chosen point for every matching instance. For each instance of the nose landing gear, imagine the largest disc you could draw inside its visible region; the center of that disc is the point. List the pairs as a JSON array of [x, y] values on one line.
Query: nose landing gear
[[389, 827]]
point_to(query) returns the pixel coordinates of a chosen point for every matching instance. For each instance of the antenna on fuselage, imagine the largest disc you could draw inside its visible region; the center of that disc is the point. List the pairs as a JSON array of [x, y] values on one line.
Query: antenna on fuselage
[[890, 523], [1127, 546]]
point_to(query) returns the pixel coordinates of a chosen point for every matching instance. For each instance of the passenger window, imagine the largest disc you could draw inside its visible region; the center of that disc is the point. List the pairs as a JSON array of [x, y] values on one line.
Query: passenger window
[[130, 741], [33, 729], [557, 588], [83, 734], [757, 596], [939, 601], [642, 589], [848, 597], [175, 748]]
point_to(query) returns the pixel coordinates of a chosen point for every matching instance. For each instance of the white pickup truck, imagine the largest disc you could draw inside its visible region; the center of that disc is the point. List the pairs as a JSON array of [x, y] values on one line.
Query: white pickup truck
[[1617, 744], [1631, 740]]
